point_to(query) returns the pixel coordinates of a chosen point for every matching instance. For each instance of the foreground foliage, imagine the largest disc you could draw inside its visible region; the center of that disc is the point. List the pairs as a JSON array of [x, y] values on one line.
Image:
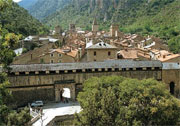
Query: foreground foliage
[[8, 116], [119, 101]]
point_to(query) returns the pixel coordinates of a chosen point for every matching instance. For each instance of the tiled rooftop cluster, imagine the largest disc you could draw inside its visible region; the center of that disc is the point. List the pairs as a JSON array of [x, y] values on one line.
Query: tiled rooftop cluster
[[75, 43]]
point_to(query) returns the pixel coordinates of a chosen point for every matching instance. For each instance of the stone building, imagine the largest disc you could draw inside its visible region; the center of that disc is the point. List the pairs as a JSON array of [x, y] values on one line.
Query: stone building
[[59, 56], [95, 26], [101, 51], [114, 30], [29, 57], [171, 77], [72, 27], [164, 56], [128, 54], [58, 30]]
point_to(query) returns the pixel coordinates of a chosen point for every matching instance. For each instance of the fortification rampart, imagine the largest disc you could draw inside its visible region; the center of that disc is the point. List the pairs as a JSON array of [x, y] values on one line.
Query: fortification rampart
[[46, 81]]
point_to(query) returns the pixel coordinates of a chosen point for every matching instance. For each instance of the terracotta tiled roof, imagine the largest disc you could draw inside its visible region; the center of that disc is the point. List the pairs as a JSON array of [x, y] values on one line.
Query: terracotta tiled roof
[[72, 53], [129, 54], [145, 55], [168, 57]]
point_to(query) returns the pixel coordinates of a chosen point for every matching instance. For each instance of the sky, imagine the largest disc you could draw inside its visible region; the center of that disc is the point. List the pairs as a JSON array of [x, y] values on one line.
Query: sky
[[16, 0]]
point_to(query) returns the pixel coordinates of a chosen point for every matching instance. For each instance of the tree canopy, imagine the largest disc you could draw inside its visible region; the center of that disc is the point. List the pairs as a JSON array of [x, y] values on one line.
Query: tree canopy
[[7, 42], [16, 19], [119, 101]]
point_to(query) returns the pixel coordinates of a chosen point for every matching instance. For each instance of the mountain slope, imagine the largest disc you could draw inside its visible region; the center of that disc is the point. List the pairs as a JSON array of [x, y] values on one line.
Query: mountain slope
[[165, 24], [157, 17], [27, 3], [17, 20], [43, 8]]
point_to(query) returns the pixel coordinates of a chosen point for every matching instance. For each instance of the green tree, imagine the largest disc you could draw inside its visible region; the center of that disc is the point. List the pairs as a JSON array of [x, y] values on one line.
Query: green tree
[[174, 44], [7, 42], [19, 119], [120, 101]]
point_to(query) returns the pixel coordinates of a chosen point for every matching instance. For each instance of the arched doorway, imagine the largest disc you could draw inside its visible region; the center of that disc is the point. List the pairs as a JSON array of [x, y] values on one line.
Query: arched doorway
[[66, 95], [64, 92], [61, 95], [172, 87]]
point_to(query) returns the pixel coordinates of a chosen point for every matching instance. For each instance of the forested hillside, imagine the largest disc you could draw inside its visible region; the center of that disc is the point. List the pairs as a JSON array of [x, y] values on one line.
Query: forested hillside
[[17, 20], [43, 8], [148, 17], [27, 3]]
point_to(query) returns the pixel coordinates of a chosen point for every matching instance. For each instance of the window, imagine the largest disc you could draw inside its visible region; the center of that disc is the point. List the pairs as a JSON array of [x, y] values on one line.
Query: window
[[60, 55], [31, 56], [172, 87], [52, 61], [42, 60], [109, 53], [94, 53], [51, 54], [94, 60]]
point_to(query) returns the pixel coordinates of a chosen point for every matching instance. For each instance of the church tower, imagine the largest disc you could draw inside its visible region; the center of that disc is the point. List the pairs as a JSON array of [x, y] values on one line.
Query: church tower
[[58, 30], [114, 29], [95, 26]]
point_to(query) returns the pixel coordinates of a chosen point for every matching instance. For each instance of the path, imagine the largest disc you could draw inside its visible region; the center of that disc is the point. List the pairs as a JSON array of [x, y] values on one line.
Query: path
[[56, 109]]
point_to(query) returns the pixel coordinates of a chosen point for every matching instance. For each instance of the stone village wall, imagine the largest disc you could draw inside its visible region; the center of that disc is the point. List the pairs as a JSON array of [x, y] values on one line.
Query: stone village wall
[[46, 81], [172, 75], [46, 87]]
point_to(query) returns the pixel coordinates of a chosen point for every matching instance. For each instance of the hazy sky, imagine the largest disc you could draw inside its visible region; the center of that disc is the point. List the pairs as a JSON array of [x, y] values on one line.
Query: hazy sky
[[16, 0]]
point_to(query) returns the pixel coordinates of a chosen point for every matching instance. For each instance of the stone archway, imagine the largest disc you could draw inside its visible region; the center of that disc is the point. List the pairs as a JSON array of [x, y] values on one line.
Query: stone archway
[[172, 87], [59, 91]]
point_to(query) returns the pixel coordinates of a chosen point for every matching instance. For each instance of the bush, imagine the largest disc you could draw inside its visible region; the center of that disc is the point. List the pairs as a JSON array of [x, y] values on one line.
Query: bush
[[119, 101]]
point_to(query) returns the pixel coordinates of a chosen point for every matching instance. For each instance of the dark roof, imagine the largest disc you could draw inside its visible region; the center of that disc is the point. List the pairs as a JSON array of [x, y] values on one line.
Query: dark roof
[[171, 66], [88, 65], [102, 45]]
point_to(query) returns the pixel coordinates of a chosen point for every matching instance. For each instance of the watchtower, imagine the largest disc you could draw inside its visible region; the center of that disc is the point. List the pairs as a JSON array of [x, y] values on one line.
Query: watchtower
[[114, 29], [58, 30], [95, 26], [72, 27]]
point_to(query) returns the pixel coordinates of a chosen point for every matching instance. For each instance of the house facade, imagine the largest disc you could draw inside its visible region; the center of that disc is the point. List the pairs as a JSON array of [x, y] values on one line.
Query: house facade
[[59, 56], [101, 51]]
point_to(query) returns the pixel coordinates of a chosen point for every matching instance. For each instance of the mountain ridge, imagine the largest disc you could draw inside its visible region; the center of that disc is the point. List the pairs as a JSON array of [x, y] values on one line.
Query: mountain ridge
[[17, 20], [27, 3], [40, 9], [160, 18]]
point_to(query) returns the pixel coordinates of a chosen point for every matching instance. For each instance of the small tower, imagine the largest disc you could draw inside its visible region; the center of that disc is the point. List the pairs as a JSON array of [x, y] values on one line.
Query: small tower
[[72, 27], [95, 26], [58, 30], [114, 30]]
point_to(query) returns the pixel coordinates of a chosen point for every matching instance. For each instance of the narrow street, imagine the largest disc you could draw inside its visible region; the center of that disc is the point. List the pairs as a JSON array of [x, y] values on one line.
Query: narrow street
[[50, 111]]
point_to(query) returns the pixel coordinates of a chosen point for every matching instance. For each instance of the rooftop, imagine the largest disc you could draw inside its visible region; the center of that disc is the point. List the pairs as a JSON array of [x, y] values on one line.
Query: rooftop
[[171, 66], [129, 53], [69, 52], [102, 45], [88, 65]]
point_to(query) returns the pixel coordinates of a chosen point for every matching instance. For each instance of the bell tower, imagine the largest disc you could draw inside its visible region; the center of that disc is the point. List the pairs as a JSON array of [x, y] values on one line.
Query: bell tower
[[114, 30], [95, 26]]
